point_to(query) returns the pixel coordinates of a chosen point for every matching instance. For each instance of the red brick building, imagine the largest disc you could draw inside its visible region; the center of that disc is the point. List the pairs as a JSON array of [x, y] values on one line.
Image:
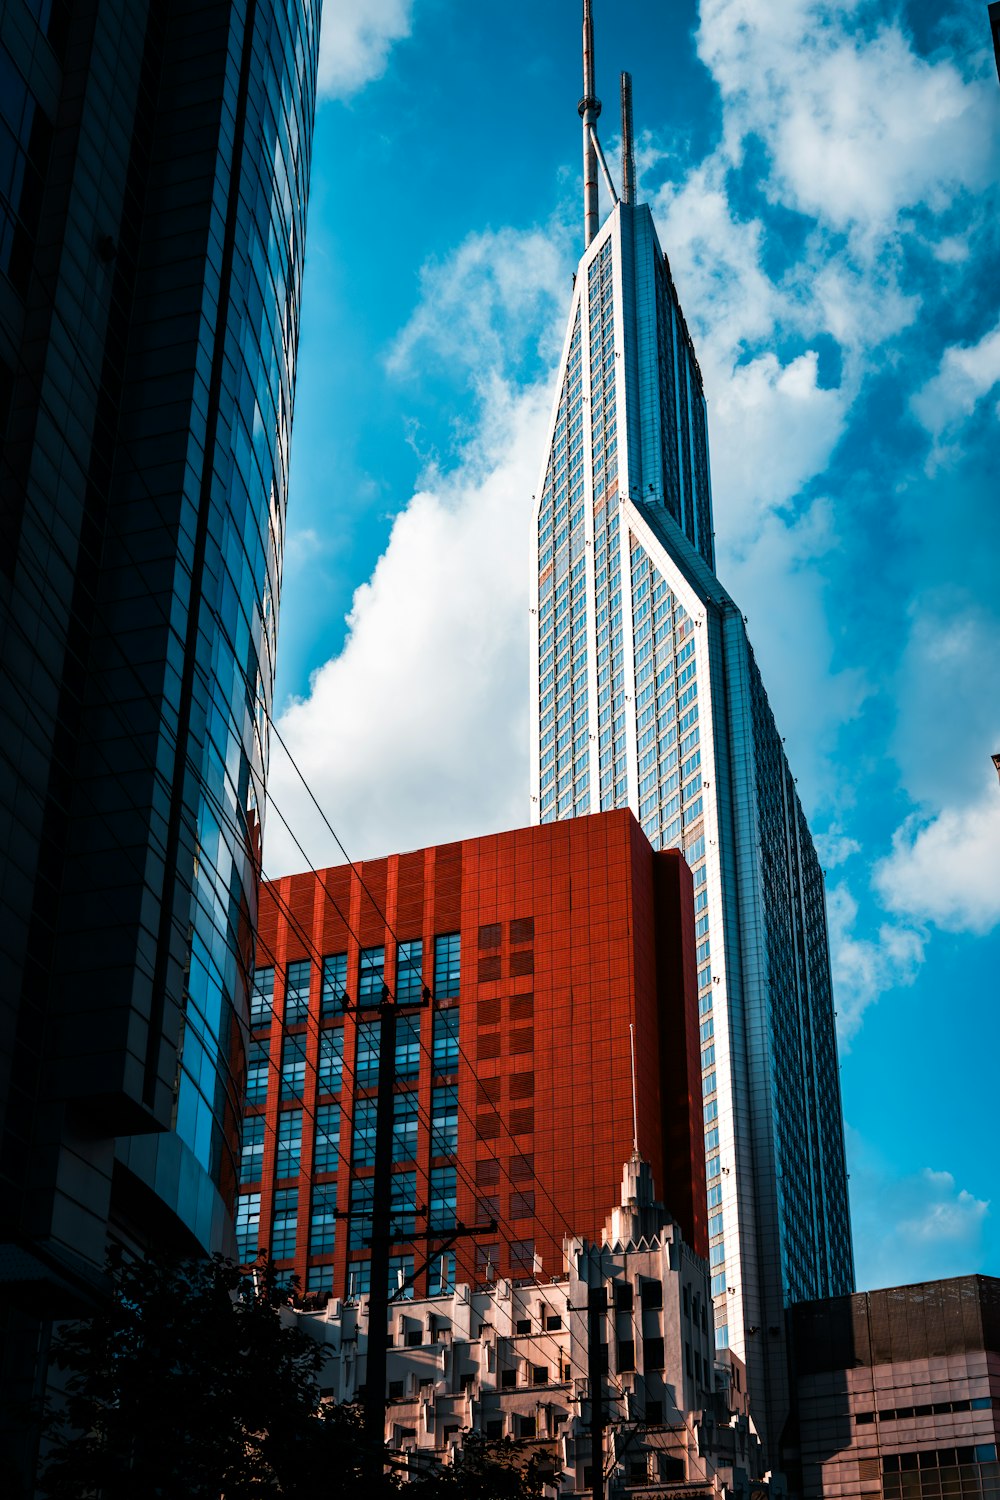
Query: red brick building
[[517, 963]]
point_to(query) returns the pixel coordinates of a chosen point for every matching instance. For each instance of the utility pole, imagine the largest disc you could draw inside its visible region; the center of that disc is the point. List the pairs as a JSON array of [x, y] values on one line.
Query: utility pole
[[378, 1295], [597, 1301], [382, 1238]]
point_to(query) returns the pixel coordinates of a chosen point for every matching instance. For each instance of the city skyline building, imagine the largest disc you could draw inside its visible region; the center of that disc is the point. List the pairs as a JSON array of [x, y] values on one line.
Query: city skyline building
[[516, 966], [645, 693], [897, 1392], [153, 192]]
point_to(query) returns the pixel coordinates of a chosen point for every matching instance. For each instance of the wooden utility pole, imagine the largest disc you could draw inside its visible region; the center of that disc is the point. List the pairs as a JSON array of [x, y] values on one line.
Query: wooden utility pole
[[378, 1294], [597, 1298], [383, 1236]]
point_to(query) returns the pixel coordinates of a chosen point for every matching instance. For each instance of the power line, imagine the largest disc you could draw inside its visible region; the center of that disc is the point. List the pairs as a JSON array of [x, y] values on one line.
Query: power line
[[304, 936], [122, 447]]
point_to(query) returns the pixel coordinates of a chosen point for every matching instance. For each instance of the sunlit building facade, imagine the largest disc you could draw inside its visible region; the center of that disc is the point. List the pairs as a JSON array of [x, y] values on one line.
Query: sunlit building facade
[[645, 693], [515, 965], [897, 1393]]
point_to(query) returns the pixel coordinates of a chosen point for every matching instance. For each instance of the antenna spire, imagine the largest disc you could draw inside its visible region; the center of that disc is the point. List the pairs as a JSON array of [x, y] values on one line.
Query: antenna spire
[[589, 108], [635, 1105], [628, 145]]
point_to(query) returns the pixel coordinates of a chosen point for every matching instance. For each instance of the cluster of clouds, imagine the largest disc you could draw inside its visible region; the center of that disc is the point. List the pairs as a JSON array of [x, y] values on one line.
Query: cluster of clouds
[[831, 120], [417, 731], [876, 159]]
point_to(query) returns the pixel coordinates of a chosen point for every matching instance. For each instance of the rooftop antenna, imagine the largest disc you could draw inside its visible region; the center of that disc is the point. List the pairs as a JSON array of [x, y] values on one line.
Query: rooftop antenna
[[589, 109], [635, 1111], [628, 145]]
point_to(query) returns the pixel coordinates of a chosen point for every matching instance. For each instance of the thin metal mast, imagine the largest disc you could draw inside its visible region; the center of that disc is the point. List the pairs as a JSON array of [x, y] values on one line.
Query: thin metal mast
[[635, 1106], [589, 109], [628, 144]]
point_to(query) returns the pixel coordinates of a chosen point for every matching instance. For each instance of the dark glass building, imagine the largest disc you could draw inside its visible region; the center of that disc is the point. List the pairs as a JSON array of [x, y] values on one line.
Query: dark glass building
[[154, 166]]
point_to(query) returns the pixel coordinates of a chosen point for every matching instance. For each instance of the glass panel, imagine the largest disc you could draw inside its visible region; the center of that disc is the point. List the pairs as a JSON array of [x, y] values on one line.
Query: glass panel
[[289, 1150], [297, 992], [446, 965], [334, 993], [446, 1041], [326, 1146], [444, 1120], [409, 970], [371, 976], [262, 997]]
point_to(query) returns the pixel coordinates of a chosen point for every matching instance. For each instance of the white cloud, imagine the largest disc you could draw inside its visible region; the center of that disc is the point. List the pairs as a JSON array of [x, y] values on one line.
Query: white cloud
[[416, 733], [857, 124], [778, 573], [949, 1216], [773, 429], [356, 38], [717, 258], [944, 864], [966, 375], [835, 847], [501, 293], [947, 870], [947, 690], [919, 1226], [302, 546], [865, 968]]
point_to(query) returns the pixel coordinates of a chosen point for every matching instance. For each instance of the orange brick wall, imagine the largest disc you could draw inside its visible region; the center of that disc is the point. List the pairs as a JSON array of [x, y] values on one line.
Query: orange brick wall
[[569, 933]]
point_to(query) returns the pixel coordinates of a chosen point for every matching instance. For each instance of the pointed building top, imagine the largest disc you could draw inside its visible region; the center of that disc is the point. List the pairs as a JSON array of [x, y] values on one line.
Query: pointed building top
[[640, 1218]]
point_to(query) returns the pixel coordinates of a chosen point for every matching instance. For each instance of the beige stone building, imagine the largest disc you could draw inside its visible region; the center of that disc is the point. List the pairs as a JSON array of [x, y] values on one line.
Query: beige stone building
[[512, 1359], [898, 1392]]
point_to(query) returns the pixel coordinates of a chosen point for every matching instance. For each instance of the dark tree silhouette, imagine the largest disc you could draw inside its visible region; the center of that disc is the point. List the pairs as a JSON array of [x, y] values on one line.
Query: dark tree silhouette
[[189, 1385]]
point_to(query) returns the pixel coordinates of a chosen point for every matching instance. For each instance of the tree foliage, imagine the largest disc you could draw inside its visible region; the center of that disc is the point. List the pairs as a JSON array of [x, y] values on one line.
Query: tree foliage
[[190, 1386], [491, 1469]]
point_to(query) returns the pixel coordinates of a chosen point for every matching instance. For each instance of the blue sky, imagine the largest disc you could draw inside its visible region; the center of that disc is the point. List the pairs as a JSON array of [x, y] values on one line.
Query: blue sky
[[824, 180]]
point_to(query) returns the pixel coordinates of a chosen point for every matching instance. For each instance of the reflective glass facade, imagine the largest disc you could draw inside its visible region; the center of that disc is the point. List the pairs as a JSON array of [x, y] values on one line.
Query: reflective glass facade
[[645, 694], [152, 226]]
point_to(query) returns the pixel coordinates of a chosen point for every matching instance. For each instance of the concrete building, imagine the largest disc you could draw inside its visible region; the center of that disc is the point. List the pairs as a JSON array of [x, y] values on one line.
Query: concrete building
[[511, 1359], [516, 966], [153, 187], [645, 693], [898, 1392]]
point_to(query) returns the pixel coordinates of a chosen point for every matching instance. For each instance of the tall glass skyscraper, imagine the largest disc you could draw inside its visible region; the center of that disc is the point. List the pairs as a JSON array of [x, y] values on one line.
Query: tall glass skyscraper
[[153, 187], [645, 693]]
